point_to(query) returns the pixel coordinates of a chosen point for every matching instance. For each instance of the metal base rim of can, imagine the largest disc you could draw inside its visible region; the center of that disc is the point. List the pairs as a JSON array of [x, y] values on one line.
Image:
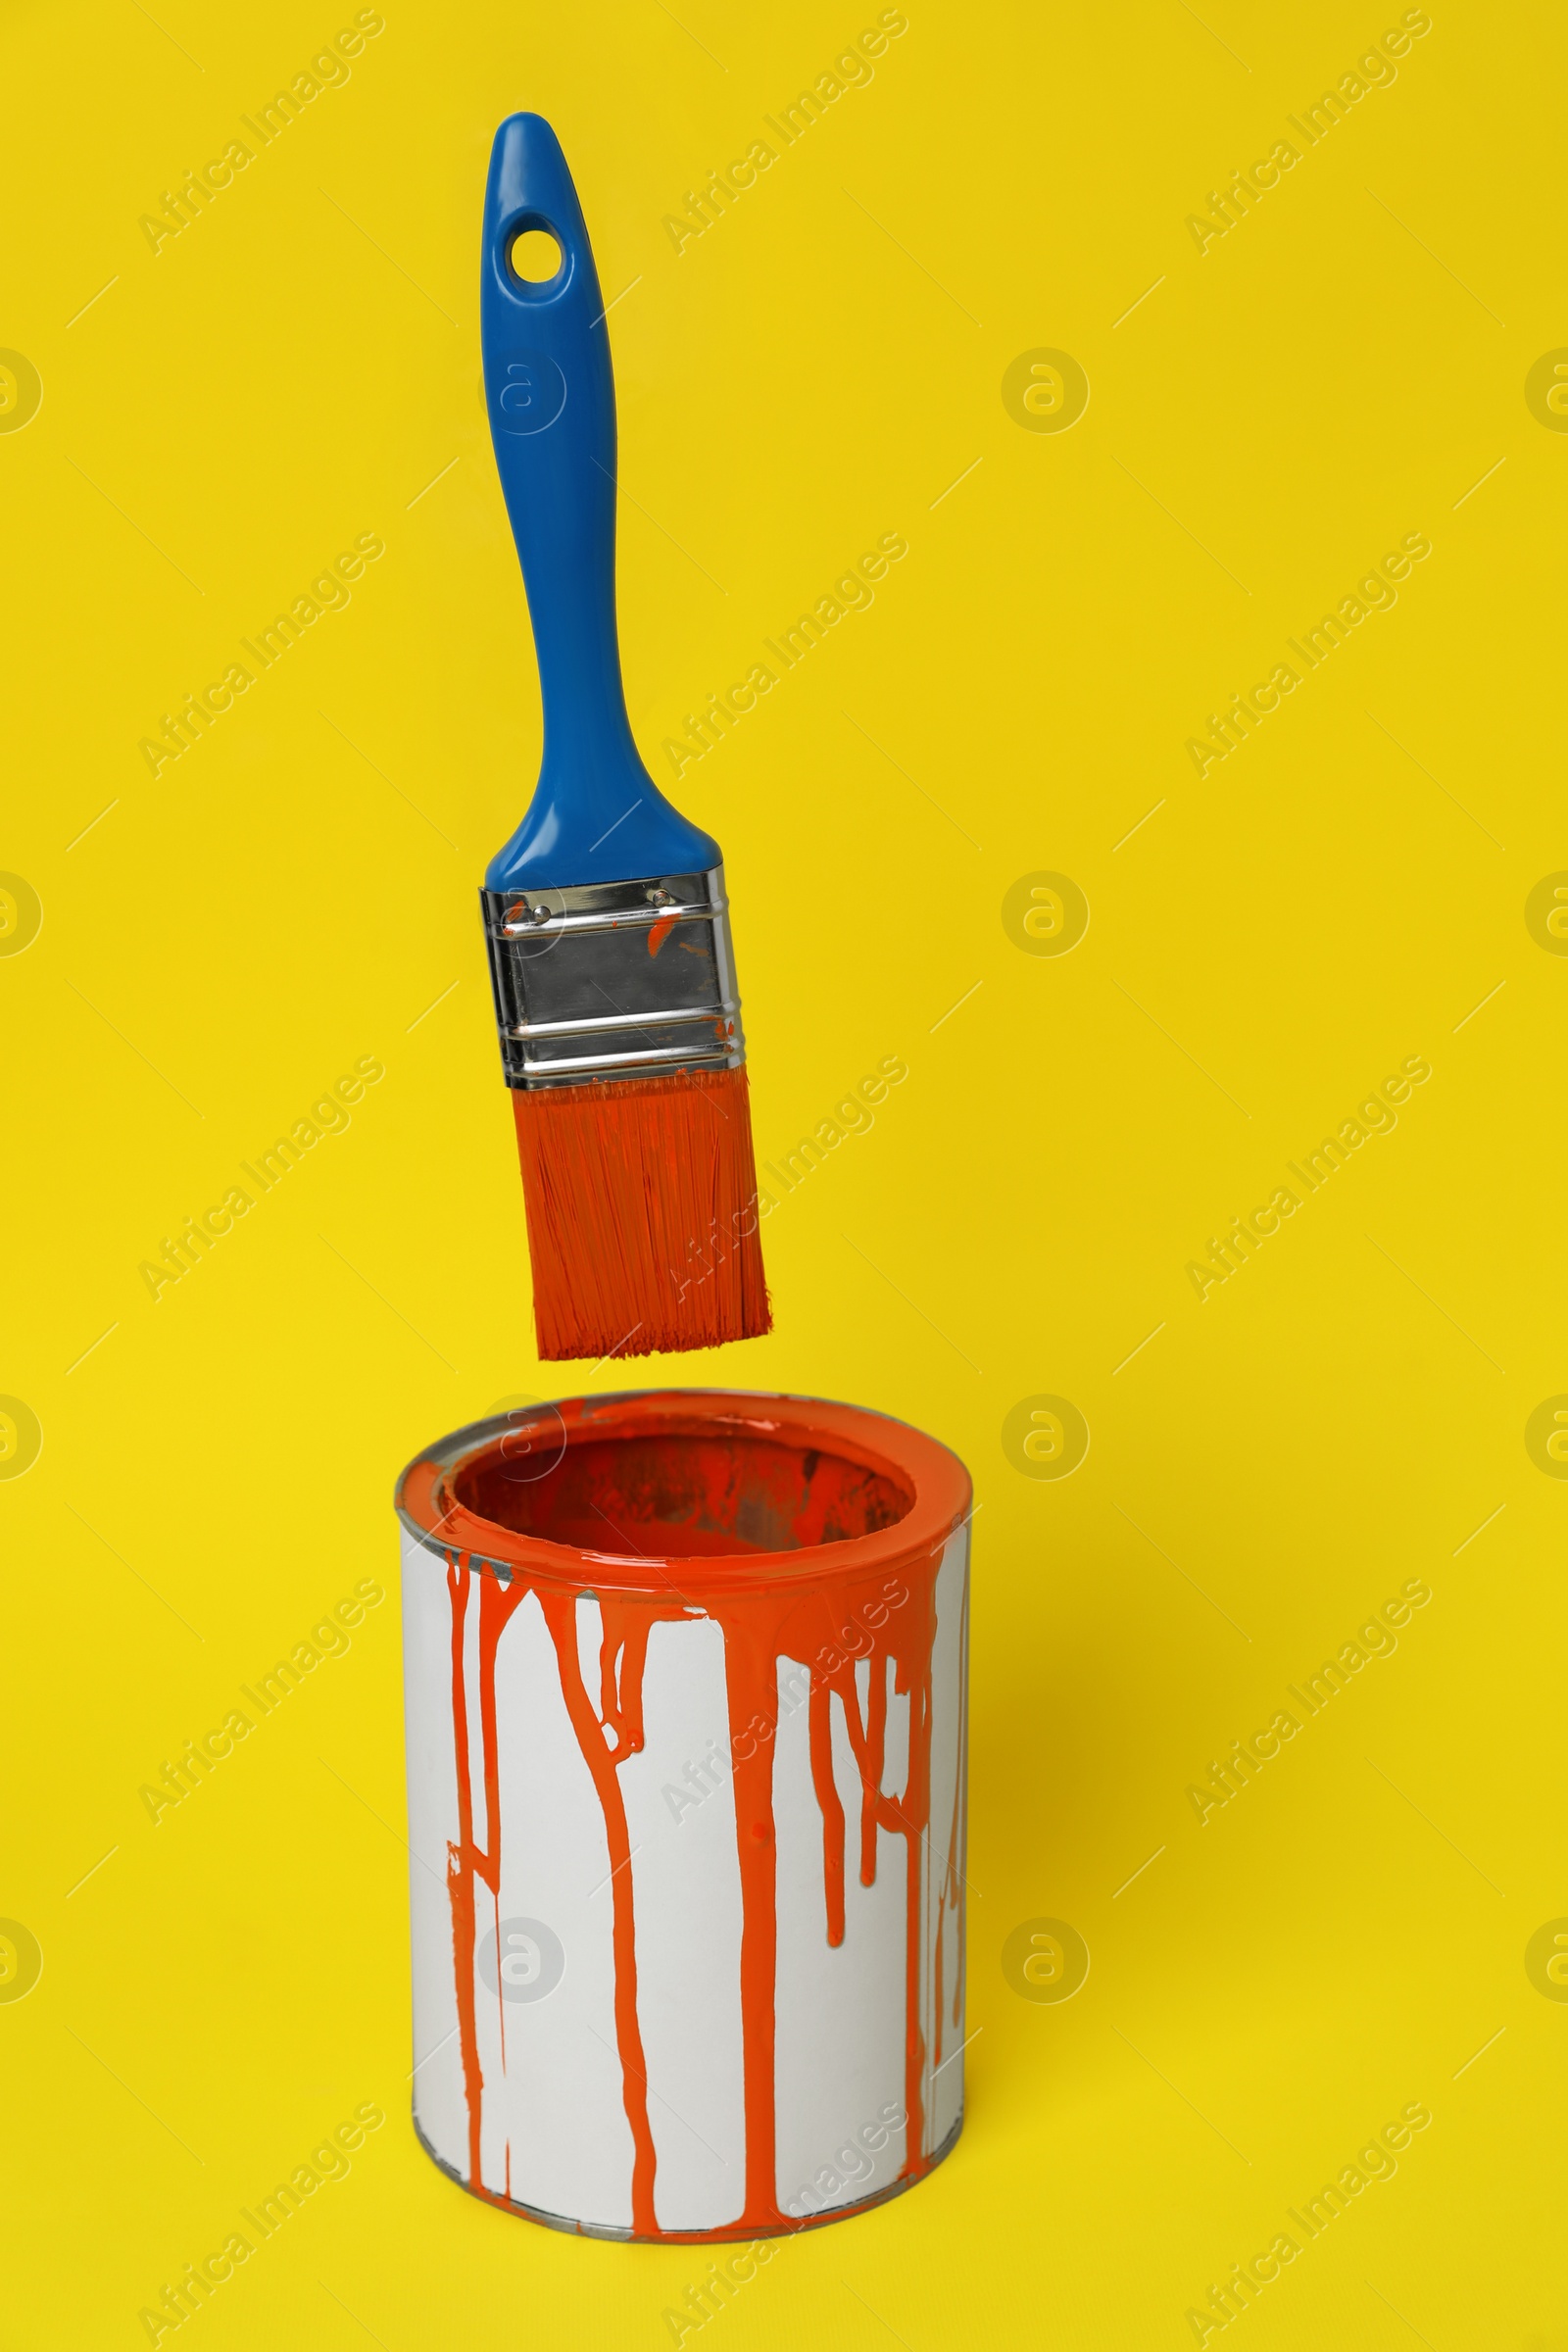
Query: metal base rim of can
[[729, 2234]]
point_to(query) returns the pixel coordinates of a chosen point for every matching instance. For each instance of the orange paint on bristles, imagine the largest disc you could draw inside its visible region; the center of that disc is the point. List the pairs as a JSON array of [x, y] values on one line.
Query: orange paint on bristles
[[642, 1215]]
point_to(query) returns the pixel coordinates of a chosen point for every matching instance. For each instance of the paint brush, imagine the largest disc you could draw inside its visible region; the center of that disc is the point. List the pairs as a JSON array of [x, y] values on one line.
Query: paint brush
[[604, 913]]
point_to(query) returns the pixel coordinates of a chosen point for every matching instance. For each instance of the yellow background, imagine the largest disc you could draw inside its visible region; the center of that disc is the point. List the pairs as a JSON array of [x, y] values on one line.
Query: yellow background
[[292, 370]]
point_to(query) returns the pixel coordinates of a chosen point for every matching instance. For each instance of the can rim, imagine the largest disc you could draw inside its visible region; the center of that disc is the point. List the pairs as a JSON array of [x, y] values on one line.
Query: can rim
[[938, 1481]]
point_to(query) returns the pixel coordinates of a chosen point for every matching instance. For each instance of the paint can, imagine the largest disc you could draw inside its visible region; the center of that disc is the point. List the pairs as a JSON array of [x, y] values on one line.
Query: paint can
[[685, 1687]]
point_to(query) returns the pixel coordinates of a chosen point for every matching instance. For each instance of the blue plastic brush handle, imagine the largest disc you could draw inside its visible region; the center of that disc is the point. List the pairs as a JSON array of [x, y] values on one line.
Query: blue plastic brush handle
[[596, 816]]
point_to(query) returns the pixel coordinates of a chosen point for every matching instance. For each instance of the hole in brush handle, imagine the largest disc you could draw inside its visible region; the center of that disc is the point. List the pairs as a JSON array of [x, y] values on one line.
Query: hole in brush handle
[[537, 257]]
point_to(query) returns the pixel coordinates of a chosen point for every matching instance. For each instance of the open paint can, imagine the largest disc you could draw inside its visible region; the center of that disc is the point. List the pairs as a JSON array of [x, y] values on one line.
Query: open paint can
[[685, 1679]]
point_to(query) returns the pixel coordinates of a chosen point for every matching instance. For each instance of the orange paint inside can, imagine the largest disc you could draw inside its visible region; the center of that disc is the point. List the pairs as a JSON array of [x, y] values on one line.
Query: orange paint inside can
[[811, 1533]]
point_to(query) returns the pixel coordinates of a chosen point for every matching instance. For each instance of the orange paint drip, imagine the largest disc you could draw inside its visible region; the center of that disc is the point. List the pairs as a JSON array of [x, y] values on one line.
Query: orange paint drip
[[882, 1609], [872, 1771], [948, 1906], [460, 1869], [660, 933], [913, 1679], [827, 1798], [467, 1860], [750, 1663], [560, 1615]]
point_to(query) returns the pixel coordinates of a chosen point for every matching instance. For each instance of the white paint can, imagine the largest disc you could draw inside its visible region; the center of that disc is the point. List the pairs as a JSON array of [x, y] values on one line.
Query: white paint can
[[685, 1681]]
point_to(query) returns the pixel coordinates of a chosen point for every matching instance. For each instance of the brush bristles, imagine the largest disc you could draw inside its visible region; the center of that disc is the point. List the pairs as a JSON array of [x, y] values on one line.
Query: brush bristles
[[641, 1214]]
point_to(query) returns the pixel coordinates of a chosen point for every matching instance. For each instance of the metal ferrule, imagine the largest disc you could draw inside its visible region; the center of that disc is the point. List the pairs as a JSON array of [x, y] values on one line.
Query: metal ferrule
[[614, 980]]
